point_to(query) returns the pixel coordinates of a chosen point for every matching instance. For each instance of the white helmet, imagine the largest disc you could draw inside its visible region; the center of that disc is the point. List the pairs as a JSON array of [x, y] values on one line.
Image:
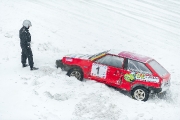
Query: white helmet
[[27, 23]]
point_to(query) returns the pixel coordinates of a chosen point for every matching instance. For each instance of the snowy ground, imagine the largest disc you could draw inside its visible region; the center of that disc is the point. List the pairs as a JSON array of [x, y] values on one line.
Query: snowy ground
[[60, 27]]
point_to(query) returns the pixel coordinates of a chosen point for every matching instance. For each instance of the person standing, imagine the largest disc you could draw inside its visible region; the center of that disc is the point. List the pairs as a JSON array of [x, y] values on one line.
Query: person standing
[[25, 43]]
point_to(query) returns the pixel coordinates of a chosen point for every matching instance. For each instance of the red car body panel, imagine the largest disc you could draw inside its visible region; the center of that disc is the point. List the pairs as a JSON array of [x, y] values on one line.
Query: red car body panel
[[134, 56], [117, 77]]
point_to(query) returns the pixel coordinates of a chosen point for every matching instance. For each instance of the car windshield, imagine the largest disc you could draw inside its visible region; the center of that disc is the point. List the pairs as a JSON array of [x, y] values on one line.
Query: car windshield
[[97, 55], [158, 68]]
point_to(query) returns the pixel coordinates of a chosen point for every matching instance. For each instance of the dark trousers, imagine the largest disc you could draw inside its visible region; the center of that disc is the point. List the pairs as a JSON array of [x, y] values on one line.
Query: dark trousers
[[27, 53]]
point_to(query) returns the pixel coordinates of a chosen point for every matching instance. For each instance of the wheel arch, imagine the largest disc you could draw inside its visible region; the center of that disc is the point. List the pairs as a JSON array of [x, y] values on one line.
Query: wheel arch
[[74, 67], [139, 85]]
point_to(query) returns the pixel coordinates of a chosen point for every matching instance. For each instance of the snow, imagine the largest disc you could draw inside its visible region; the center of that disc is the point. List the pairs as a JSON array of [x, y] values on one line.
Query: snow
[[61, 27]]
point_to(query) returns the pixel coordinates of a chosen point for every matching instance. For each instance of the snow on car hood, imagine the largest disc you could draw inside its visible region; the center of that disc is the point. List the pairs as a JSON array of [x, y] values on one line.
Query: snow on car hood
[[81, 56]]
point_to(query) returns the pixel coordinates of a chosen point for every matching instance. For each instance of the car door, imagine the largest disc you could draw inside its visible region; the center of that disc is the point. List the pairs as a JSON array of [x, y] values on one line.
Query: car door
[[98, 72], [107, 69], [99, 68], [134, 71], [115, 71], [114, 76]]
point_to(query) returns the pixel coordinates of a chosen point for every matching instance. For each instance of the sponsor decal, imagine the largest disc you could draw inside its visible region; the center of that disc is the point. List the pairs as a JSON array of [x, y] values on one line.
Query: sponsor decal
[[69, 59], [99, 70], [97, 56], [118, 82], [141, 77], [130, 77]]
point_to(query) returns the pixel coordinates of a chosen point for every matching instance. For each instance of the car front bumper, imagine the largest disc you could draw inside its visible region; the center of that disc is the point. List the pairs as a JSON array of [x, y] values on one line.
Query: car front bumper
[[59, 64]]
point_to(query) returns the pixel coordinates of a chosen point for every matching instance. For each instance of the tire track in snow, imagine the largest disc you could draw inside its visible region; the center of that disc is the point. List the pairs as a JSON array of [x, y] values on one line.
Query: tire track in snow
[[158, 21]]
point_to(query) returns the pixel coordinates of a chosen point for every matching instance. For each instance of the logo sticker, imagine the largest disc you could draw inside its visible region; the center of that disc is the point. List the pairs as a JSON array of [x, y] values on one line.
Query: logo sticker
[[141, 77], [69, 59]]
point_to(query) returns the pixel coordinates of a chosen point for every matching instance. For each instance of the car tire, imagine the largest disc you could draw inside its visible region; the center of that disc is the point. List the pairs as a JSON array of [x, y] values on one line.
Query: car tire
[[76, 72], [140, 94]]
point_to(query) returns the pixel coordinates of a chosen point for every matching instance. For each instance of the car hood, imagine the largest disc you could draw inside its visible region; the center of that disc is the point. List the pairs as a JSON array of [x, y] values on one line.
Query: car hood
[[80, 56]]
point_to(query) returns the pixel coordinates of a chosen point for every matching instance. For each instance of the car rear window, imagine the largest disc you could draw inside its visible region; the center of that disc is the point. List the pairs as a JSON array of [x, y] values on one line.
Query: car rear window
[[158, 68]]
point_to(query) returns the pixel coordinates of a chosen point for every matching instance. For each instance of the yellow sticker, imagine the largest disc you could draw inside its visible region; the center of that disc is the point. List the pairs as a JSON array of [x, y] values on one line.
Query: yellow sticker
[[97, 56]]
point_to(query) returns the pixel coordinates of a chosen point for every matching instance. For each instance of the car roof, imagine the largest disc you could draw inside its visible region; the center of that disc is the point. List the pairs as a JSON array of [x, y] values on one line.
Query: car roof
[[130, 55]]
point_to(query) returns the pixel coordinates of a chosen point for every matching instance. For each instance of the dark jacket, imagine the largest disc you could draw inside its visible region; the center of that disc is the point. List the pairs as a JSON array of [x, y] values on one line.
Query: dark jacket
[[25, 38]]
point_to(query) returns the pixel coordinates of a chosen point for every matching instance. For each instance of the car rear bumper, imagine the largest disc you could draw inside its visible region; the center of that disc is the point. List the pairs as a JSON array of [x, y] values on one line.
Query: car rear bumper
[[155, 90], [164, 87]]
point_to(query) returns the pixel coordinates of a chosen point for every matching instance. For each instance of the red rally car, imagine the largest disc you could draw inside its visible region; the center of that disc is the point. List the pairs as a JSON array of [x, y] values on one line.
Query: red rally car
[[140, 75]]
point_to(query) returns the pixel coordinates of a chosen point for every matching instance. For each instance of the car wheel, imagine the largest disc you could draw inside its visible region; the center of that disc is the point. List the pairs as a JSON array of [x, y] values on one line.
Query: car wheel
[[140, 94], [76, 73]]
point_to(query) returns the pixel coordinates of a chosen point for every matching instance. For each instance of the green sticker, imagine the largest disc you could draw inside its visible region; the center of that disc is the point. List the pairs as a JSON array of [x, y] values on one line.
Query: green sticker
[[130, 77]]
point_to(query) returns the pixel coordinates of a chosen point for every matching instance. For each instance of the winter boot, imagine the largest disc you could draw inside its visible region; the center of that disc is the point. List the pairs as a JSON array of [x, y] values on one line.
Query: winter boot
[[24, 65], [34, 68]]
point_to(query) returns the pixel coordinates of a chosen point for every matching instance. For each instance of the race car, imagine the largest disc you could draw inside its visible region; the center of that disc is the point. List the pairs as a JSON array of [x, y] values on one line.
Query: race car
[[138, 74]]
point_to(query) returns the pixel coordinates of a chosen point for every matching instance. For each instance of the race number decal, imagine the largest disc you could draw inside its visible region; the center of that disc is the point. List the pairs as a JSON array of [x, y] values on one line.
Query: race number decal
[[99, 70]]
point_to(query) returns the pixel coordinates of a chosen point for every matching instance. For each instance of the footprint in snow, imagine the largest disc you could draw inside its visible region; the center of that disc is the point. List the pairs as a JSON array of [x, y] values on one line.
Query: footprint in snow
[[8, 35]]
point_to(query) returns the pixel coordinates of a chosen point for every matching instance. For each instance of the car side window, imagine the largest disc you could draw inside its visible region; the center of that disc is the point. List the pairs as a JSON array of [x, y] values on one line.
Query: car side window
[[137, 66], [110, 60]]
